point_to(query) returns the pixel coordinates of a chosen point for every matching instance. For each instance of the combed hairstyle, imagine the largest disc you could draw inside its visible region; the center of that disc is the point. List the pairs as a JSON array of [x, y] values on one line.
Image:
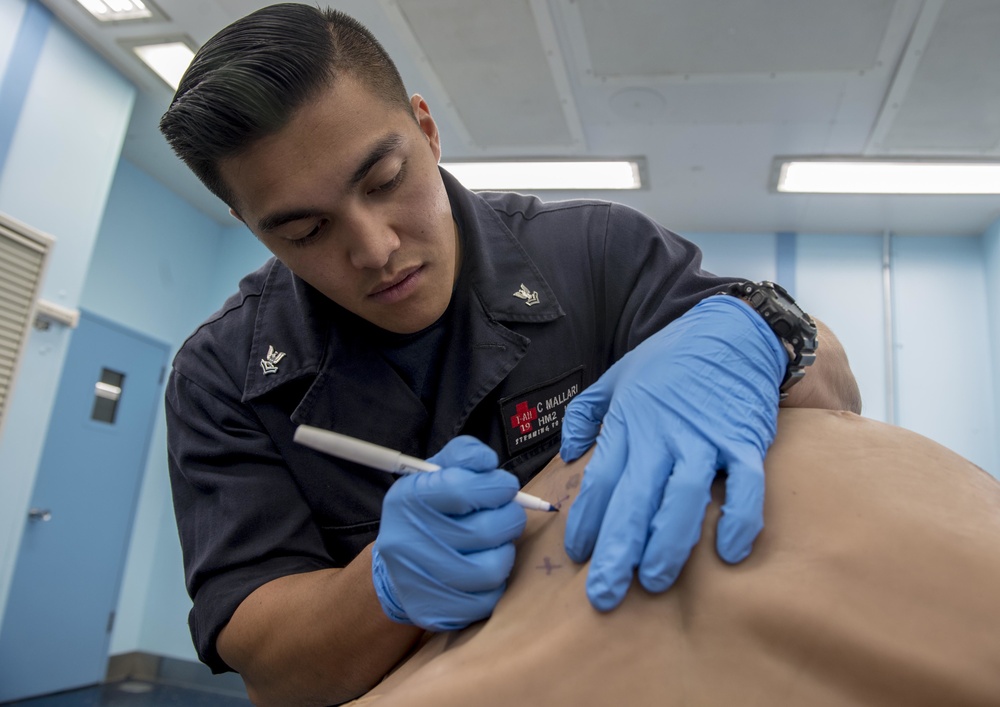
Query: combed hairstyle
[[246, 82]]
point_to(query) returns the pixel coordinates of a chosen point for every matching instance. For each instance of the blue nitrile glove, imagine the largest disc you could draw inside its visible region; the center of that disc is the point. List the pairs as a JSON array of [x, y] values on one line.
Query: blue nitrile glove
[[699, 395], [446, 542]]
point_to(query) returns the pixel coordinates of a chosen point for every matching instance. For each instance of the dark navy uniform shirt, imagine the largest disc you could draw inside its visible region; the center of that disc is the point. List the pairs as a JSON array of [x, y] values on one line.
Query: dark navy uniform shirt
[[549, 296]]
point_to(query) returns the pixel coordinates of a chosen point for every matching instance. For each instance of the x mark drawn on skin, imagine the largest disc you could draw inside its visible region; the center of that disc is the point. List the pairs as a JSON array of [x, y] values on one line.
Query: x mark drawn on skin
[[547, 566]]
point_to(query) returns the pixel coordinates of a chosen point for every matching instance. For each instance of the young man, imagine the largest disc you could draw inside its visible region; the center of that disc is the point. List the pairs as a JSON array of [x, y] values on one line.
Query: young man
[[402, 309]]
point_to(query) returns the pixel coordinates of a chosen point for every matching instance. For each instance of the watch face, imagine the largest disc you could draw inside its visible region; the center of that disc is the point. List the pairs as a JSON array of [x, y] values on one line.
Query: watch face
[[787, 302], [795, 309]]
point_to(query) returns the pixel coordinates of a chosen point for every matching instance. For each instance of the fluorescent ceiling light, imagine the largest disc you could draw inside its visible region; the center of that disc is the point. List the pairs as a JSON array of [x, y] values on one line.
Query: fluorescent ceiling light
[[169, 59], [511, 175], [886, 176], [116, 10]]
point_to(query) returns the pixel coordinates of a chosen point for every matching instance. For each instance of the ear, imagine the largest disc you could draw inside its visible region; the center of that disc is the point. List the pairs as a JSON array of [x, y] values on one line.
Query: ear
[[232, 212], [427, 125]]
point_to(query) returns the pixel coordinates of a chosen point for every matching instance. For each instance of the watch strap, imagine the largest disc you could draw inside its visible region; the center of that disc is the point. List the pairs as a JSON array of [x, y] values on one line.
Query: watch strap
[[794, 328]]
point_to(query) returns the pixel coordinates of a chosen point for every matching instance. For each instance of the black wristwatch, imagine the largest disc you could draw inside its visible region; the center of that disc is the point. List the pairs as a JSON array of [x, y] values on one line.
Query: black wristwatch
[[795, 328]]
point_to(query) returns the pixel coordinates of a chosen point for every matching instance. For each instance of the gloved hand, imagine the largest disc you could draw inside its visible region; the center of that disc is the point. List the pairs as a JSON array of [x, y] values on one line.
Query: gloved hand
[[699, 395], [445, 545]]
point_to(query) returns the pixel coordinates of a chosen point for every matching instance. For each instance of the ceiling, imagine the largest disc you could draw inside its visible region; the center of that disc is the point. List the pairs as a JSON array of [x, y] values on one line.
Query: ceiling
[[708, 92]]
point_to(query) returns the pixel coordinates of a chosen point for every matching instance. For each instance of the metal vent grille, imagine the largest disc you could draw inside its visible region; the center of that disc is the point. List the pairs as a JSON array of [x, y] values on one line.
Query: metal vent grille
[[22, 262]]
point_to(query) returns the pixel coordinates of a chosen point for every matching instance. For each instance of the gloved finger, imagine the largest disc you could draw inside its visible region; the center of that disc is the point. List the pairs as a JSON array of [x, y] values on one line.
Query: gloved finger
[[481, 530], [486, 570], [457, 610], [457, 491], [743, 512], [430, 600], [676, 527], [582, 421], [623, 535], [466, 452], [600, 477], [452, 571], [424, 564]]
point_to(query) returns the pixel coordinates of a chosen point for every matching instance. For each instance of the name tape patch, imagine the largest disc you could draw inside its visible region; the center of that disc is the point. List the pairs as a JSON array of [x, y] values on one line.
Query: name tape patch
[[535, 415]]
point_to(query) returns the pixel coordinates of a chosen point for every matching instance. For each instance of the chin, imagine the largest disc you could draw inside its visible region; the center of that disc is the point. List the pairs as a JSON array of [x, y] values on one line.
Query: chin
[[415, 323]]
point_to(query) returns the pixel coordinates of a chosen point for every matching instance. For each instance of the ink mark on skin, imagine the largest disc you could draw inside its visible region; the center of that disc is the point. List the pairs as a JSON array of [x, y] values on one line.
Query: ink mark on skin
[[558, 504], [573, 482], [547, 566]]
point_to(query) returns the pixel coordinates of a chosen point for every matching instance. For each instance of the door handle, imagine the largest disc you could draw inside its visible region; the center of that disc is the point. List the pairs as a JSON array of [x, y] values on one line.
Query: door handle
[[39, 515]]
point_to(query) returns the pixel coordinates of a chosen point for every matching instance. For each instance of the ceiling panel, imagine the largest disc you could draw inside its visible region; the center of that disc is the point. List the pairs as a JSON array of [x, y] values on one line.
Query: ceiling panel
[[707, 91], [495, 67], [952, 101], [671, 37]]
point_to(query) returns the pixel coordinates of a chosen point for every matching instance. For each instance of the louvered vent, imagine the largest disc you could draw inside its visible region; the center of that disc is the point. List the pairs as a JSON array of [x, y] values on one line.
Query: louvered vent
[[23, 252]]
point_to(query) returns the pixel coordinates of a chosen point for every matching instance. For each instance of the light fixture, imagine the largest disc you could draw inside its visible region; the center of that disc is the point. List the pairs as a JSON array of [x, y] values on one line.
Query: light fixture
[[119, 10], [168, 58], [846, 175], [531, 175]]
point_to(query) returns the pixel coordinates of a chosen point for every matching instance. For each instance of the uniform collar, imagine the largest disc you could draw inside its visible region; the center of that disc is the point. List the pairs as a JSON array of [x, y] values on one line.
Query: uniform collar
[[292, 331], [495, 264]]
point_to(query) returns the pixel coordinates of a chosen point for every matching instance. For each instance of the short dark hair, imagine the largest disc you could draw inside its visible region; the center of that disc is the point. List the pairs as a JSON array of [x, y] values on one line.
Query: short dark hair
[[247, 81]]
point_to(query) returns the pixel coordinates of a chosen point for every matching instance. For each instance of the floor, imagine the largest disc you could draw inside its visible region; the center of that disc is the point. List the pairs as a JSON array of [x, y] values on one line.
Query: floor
[[134, 693]]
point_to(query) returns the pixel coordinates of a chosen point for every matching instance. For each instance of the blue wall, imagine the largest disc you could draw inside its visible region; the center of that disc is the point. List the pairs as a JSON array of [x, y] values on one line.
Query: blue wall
[[178, 266], [241, 253], [839, 280], [165, 254], [11, 15], [946, 333], [946, 382], [63, 116], [130, 250]]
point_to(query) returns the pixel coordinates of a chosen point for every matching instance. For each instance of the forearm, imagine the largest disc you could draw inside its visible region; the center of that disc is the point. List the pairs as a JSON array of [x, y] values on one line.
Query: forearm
[[829, 383], [317, 638]]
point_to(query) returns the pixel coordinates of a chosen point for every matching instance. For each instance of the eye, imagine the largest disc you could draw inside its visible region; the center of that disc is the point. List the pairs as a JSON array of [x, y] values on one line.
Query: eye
[[391, 184], [309, 237]]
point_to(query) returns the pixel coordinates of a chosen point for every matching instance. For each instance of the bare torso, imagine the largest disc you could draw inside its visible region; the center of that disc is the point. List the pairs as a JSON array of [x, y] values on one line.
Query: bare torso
[[876, 581]]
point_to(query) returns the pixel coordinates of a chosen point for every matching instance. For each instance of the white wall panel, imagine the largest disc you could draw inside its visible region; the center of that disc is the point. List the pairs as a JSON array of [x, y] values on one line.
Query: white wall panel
[[944, 361], [839, 281]]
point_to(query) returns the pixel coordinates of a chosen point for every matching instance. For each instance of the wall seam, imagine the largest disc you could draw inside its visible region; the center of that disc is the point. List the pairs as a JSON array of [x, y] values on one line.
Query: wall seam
[[784, 260]]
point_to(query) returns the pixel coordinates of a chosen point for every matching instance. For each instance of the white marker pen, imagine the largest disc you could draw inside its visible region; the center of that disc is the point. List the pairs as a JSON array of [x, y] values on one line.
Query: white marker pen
[[361, 452]]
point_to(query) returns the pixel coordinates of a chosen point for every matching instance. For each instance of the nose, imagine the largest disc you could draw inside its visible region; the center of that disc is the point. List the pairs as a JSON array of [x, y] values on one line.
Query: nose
[[370, 243]]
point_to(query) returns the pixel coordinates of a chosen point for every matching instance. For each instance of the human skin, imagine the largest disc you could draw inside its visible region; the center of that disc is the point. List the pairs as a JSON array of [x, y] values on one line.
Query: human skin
[[874, 582], [348, 195]]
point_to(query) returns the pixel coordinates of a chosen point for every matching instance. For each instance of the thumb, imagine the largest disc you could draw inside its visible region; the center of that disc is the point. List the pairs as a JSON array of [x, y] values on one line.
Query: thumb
[[583, 418]]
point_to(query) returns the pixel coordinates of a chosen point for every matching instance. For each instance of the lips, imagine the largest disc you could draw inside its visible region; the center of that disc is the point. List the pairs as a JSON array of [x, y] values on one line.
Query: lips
[[396, 284]]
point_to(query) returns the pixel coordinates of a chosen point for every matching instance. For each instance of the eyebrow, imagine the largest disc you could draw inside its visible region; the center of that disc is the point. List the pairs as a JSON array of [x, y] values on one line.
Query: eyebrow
[[378, 152], [269, 223], [375, 155]]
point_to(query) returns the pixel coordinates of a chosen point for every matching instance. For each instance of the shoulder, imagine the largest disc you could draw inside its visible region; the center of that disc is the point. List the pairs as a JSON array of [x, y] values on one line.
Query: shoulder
[[525, 212], [529, 216], [607, 235]]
